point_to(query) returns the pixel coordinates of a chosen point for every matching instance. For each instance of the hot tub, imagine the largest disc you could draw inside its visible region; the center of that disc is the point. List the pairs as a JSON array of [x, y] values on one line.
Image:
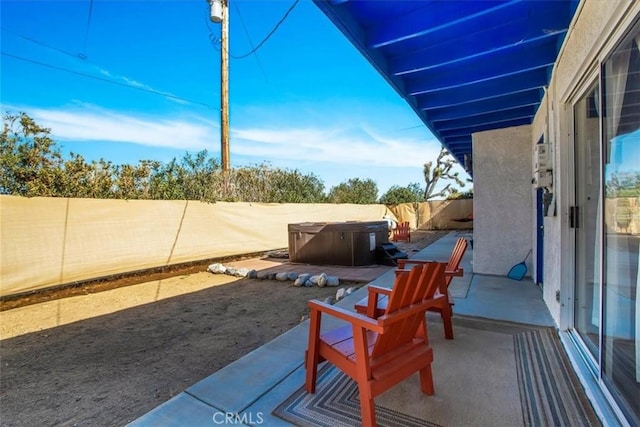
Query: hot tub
[[350, 243]]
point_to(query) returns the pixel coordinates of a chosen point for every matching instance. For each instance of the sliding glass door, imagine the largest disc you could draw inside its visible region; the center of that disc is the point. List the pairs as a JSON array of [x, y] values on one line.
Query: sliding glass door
[[606, 220], [621, 128]]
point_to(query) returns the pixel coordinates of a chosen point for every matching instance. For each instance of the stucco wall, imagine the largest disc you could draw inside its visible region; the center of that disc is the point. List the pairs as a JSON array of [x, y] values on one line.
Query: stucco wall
[[502, 209], [596, 28]]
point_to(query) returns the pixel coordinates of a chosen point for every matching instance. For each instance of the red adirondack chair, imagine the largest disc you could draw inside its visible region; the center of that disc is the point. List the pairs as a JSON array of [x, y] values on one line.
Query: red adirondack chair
[[442, 301], [402, 232], [378, 353]]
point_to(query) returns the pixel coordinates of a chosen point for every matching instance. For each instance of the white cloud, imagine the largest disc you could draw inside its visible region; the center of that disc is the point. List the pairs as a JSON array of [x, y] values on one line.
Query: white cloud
[[93, 124], [360, 145]]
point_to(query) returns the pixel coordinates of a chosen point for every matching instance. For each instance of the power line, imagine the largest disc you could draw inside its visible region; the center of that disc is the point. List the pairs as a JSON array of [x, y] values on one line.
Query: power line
[[275, 28], [38, 42], [66, 70], [215, 41], [83, 54], [83, 58], [246, 31]]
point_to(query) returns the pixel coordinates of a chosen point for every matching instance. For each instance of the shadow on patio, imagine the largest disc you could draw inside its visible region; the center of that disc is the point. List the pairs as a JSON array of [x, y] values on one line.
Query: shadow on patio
[[506, 366]]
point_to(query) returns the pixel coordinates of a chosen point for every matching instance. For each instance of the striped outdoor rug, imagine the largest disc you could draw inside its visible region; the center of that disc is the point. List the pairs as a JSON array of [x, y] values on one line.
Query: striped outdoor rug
[[528, 380]]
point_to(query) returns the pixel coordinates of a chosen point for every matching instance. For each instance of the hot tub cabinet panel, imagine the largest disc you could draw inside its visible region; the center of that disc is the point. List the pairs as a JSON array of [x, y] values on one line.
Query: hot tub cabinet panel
[[336, 243]]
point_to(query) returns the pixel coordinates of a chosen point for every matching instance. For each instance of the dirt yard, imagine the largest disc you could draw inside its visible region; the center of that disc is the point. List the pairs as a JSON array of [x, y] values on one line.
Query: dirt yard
[[111, 369]]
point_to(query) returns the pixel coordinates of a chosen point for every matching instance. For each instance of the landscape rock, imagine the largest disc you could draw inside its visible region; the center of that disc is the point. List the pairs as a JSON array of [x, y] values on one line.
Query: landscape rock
[[322, 280], [302, 278], [242, 272], [340, 294], [283, 277], [333, 281], [298, 279], [217, 268]]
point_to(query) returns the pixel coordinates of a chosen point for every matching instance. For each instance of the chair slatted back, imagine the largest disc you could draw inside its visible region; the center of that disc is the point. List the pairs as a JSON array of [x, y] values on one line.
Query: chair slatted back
[[456, 256], [419, 284]]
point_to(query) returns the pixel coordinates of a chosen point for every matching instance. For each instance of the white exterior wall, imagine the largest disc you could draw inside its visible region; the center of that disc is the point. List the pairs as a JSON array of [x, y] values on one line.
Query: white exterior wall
[[502, 209], [596, 28]]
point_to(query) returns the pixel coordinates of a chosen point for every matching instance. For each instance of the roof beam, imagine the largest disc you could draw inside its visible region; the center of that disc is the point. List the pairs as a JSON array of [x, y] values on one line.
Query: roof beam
[[500, 103], [521, 21], [528, 111], [433, 17], [486, 126], [499, 64], [458, 140], [514, 83], [472, 51]]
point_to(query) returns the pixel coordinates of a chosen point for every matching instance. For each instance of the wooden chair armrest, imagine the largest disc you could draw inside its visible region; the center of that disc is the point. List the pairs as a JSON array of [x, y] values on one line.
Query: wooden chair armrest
[[457, 273], [379, 290], [348, 316], [371, 303]]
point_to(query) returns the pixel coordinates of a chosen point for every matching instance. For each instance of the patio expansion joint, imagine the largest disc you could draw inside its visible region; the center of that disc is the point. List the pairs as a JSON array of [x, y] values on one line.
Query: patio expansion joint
[[202, 401]]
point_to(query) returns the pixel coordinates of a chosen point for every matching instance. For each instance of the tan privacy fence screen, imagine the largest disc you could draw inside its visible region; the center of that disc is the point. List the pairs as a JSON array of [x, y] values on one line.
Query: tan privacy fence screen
[[437, 214], [52, 241]]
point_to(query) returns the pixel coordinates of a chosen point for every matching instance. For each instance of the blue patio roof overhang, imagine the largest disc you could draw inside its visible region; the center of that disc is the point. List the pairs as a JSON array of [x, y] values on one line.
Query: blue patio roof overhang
[[463, 66]]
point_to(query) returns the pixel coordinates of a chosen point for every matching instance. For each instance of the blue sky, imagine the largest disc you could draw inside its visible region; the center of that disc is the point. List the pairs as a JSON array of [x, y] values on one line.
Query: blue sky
[[306, 100]]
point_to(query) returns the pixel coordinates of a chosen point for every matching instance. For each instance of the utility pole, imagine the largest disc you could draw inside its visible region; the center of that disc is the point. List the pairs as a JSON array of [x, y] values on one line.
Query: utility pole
[[220, 14], [224, 88]]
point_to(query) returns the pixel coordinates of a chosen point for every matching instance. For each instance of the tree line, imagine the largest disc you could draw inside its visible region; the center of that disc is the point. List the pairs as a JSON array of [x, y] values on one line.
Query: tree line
[[32, 164]]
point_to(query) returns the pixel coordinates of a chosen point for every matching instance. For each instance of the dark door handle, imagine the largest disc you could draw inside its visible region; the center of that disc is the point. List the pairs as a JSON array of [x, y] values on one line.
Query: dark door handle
[[573, 217]]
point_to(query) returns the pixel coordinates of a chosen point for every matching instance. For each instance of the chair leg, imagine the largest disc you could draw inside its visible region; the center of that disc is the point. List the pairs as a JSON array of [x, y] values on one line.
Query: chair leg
[[447, 314], [426, 381], [312, 358], [367, 407]]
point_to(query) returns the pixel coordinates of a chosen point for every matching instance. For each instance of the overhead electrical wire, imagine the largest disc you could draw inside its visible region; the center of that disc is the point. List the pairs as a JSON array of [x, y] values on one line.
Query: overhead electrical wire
[[38, 42], [246, 31], [215, 41], [83, 54], [275, 28], [66, 70]]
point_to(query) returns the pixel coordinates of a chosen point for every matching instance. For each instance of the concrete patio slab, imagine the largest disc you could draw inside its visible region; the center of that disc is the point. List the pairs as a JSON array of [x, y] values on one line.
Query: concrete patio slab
[[180, 411], [501, 298], [233, 390]]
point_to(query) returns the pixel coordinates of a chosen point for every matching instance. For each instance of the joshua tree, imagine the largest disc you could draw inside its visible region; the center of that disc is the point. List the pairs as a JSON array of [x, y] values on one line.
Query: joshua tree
[[441, 171]]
